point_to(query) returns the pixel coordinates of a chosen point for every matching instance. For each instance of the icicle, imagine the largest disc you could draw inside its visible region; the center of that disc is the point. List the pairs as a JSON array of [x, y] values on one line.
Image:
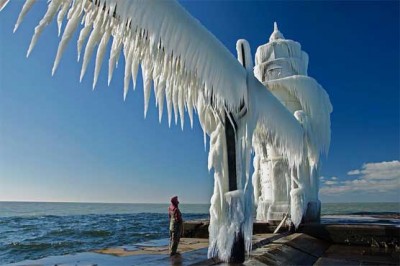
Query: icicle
[[117, 57], [115, 51], [156, 81], [82, 37], [157, 69], [48, 17], [138, 54], [69, 30], [168, 98], [88, 22], [190, 109], [175, 97], [134, 70], [146, 88], [160, 99], [156, 75], [94, 38], [181, 106], [27, 6], [74, 6], [297, 205], [100, 54], [202, 113], [61, 14], [128, 50], [3, 4]]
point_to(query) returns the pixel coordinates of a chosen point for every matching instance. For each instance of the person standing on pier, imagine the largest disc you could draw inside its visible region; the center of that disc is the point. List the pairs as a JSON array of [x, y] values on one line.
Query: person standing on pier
[[175, 225]]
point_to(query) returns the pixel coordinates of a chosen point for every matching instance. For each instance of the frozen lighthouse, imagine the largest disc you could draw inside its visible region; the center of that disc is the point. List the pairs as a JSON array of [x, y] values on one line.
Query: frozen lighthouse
[[279, 188]]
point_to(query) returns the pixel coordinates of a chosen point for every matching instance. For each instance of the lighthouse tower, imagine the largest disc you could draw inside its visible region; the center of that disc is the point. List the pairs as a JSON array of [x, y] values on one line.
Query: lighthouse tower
[[280, 189]]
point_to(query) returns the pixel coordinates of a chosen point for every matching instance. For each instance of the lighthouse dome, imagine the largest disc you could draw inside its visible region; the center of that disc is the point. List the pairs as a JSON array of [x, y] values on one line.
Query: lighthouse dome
[[279, 58]]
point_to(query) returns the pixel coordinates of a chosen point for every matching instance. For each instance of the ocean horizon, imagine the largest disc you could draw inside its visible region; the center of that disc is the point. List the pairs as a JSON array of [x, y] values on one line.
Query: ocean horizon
[[7, 207], [33, 230]]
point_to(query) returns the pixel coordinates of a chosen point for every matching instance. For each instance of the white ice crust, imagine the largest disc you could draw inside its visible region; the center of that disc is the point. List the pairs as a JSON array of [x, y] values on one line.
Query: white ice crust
[[281, 66], [192, 71]]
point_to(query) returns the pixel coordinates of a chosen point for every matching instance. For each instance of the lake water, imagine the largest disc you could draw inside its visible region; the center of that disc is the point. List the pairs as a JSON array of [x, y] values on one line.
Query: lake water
[[33, 230]]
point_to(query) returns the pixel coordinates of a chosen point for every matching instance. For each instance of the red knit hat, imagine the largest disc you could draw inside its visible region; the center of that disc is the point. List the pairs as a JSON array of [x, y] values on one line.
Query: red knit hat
[[174, 200]]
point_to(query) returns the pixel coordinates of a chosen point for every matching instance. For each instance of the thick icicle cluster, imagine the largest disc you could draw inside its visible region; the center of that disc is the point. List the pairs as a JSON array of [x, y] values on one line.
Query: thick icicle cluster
[[315, 102], [231, 212], [178, 56], [275, 124]]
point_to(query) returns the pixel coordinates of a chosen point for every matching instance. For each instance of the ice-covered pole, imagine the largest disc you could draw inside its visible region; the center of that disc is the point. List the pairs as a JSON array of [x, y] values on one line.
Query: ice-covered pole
[[231, 127], [238, 248]]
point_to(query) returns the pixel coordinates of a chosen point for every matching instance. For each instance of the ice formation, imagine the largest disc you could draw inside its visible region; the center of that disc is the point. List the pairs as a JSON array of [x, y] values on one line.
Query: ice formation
[[3, 4], [281, 66], [192, 71]]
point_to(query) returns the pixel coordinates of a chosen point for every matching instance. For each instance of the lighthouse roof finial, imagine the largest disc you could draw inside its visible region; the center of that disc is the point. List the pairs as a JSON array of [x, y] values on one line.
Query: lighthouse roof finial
[[276, 34]]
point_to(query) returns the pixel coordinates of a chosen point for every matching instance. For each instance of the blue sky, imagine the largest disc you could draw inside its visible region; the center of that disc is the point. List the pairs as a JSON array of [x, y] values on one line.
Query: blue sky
[[61, 141]]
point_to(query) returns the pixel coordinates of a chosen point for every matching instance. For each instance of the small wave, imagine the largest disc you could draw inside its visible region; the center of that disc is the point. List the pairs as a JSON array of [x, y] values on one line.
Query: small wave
[[96, 233], [38, 246], [61, 232], [53, 235]]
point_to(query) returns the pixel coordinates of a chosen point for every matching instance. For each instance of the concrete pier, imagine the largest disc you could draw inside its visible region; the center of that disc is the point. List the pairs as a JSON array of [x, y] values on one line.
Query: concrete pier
[[312, 244], [318, 244]]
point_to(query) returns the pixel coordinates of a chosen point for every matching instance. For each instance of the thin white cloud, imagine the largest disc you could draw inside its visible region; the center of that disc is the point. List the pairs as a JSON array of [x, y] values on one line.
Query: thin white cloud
[[354, 172], [329, 182], [372, 177], [383, 170]]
